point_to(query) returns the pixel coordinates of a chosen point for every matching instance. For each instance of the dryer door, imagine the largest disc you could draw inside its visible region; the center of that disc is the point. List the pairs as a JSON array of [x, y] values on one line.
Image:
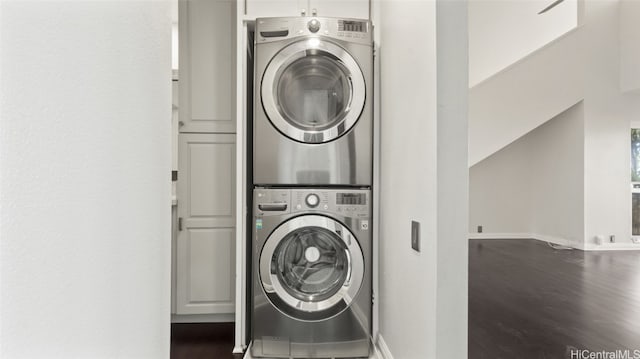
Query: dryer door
[[313, 91], [311, 267]]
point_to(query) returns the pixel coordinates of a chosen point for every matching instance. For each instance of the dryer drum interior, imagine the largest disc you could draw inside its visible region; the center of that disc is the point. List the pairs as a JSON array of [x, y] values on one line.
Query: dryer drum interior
[[313, 91]]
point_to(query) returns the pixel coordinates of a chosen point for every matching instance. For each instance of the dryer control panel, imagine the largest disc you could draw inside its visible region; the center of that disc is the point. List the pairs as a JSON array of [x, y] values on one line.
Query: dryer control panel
[[281, 28]]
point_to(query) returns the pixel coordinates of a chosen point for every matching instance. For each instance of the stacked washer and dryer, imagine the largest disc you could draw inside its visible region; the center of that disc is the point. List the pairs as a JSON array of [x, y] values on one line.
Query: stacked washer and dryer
[[312, 176]]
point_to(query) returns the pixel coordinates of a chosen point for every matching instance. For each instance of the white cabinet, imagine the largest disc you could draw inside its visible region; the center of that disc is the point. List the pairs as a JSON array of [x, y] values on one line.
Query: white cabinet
[[358, 9], [205, 249], [273, 8], [328, 8], [207, 66]]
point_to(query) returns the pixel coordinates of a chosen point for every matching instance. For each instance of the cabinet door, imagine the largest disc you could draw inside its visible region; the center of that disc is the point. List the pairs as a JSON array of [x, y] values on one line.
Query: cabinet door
[[272, 8], [358, 9], [207, 66], [205, 258]]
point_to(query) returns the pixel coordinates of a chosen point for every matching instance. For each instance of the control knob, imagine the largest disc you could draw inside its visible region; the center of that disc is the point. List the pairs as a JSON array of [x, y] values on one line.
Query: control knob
[[313, 25], [312, 200]]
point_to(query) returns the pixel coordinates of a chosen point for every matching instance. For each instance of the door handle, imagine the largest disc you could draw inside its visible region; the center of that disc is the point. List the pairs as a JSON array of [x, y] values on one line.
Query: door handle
[[179, 223], [347, 281]]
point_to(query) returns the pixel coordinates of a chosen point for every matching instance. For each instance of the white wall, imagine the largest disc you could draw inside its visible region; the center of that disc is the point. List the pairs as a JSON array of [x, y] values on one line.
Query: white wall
[[535, 185], [453, 179], [608, 114], [84, 179], [502, 32], [629, 49], [500, 191], [556, 164], [408, 184], [525, 95], [588, 65], [412, 287]]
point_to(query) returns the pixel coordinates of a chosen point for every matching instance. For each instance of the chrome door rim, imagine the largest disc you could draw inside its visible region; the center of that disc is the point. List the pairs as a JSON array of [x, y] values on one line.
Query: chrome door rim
[[294, 52], [295, 307]]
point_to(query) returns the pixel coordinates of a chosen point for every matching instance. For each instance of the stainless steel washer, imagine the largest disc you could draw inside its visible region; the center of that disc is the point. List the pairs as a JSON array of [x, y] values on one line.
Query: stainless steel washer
[[312, 102], [311, 273]]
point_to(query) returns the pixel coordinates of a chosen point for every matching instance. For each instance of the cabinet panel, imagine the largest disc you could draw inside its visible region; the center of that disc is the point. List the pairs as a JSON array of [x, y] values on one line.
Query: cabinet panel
[[272, 8], [210, 178], [205, 249], [328, 8], [207, 66], [206, 266], [206, 180], [358, 9]]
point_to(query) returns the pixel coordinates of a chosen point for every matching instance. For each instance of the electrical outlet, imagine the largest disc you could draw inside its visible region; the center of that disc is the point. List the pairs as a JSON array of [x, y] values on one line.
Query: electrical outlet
[[479, 229], [415, 236]]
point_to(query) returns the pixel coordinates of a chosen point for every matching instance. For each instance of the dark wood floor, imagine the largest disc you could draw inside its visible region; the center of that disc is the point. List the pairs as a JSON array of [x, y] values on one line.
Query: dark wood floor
[[202, 341], [527, 300]]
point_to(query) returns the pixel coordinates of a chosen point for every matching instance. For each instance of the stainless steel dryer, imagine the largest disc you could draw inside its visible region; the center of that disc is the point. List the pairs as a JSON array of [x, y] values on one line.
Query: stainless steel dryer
[[312, 273], [313, 102]]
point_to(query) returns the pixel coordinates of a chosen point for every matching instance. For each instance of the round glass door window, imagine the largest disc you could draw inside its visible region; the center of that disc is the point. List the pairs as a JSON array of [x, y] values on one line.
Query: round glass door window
[[311, 267], [313, 91], [311, 263]]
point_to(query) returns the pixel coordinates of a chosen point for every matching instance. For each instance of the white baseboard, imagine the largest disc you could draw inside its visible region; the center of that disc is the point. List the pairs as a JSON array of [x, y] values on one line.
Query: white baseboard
[[517, 236], [382, 350], [612, 247], [500, 236], [238, 349], [559, 241]]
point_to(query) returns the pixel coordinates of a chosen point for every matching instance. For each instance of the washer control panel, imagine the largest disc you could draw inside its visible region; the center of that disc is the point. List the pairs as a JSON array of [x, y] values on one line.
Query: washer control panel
[[345, 202], [350, 203]]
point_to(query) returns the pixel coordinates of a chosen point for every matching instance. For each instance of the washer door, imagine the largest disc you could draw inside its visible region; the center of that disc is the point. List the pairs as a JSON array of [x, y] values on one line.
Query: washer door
[[311, 267], [313, 91]]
